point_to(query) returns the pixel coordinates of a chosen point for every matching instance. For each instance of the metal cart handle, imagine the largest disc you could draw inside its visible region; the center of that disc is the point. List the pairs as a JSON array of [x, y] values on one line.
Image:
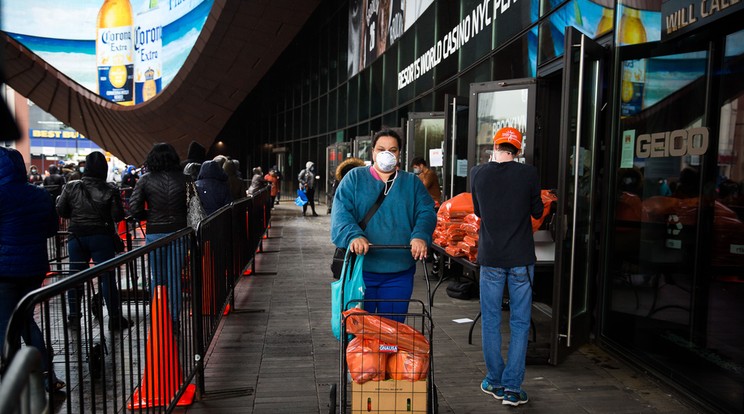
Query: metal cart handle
[[389, 246]]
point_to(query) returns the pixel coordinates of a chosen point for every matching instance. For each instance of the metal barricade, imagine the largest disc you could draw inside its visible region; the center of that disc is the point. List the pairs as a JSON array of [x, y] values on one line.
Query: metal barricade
[[173, 290]]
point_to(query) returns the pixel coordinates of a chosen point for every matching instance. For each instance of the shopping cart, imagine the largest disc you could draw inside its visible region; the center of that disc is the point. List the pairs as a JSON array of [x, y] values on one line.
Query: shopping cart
[[391, 396]]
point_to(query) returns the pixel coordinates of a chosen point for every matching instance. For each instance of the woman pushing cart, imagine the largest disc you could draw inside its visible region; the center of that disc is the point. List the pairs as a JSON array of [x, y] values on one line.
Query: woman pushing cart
[[382, 205]]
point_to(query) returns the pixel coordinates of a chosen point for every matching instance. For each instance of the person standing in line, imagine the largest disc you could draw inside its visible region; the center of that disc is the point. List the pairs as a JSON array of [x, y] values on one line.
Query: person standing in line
[[236, 184], [27, 220], [212, 187], [429, 178], [505, 195], [54, 182], [93, 207], [279, 178], [163, 190], [405, 217], [258, 182], [33, 175], [274, 182], [307, 184]]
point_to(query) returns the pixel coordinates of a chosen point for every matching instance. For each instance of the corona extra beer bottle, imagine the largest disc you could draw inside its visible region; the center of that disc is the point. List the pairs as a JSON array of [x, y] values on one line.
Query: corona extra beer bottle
[[148, 52], [114, 52], [631, 29]]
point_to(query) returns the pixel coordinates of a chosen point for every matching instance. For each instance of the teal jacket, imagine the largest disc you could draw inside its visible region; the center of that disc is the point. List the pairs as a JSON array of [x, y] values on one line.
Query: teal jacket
[[407, 212]]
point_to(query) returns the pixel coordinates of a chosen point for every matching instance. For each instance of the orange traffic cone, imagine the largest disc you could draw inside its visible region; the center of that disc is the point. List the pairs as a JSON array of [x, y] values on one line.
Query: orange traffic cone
[[162, 376]]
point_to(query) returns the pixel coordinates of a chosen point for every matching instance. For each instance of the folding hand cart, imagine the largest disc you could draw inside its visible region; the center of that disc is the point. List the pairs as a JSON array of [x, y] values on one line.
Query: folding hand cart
[[418, 396]]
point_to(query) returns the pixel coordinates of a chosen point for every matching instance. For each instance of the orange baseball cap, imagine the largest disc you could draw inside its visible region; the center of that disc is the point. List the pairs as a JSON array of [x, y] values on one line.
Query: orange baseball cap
[[508, 135]]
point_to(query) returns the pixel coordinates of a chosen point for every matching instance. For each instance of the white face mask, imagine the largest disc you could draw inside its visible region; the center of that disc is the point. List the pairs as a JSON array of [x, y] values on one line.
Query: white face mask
[[417, 170], [386, 161]]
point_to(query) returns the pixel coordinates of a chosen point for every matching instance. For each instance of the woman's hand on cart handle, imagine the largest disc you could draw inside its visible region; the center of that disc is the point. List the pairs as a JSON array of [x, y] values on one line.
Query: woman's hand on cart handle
[[418, 249], [359, 246]]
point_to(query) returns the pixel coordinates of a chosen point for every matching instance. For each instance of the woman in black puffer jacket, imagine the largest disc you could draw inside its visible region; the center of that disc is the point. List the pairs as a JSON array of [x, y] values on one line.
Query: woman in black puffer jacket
[[93, 207], [163, 189]]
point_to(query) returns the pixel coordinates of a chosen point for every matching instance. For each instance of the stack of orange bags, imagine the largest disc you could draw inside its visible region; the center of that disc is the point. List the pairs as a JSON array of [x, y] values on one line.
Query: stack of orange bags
[[457, 227]]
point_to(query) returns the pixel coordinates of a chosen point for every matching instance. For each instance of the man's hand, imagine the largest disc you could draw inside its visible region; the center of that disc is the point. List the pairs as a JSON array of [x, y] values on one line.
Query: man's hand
[[418, 249], [359, 246]]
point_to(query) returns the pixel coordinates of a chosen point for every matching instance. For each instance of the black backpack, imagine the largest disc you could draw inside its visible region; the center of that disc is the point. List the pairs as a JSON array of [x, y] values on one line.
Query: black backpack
[[466, 289]]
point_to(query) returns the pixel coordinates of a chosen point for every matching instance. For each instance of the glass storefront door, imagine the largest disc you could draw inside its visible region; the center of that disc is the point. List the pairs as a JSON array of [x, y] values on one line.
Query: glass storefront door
[[675, 247], [574, 272], [425, 139], [499, 104], [456, 115]]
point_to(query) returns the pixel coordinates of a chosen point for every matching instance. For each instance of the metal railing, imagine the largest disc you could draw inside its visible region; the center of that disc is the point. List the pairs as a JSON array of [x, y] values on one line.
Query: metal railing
[[22, 390], [173, 291]]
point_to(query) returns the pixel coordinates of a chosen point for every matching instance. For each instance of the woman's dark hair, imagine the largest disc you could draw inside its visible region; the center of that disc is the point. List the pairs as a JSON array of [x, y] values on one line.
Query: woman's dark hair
[[163, 157], [386, 132], [419, 161]]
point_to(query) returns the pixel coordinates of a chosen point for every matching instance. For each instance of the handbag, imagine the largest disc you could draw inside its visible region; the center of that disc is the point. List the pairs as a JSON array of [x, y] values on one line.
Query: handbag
[[347, 289], [340, 253], [118, 243], [194, 209]]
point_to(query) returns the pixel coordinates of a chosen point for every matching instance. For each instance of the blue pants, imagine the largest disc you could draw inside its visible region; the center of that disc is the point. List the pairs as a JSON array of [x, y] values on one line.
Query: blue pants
[[10, 294], [165, 270], [389, 286], [99, 248], [519, 282]]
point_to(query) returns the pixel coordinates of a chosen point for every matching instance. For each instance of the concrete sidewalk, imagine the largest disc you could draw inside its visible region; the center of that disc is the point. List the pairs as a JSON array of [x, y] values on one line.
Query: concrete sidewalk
[[275, 352]]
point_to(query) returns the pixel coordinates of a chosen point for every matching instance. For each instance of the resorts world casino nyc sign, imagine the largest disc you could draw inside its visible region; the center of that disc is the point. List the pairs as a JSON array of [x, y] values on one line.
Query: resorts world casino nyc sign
[[679, 17]]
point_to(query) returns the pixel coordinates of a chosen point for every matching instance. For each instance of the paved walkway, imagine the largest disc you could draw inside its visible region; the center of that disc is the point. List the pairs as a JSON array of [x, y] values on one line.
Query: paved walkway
[[275, 352]]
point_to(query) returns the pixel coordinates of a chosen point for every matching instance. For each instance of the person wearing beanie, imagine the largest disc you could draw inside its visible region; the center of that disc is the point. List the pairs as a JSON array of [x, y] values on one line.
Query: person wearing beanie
[[306, 178], [93, 207], [197, 153], [54, 182]]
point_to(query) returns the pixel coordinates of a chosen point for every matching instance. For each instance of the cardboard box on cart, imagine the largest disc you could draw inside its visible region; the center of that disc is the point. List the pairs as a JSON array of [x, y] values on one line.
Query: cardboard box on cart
[[391, 396]]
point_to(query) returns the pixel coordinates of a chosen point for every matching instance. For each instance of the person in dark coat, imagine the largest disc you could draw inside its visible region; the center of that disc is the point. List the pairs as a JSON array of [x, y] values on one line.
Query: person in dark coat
[[93, 207], [197, 153], [27, 220], [33, 175], [236, 184], [54, 182], [163, 190], [211, 185], [257, 181]]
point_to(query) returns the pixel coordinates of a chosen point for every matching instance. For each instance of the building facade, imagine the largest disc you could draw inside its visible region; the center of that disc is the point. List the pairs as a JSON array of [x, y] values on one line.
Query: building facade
[[630, 112]]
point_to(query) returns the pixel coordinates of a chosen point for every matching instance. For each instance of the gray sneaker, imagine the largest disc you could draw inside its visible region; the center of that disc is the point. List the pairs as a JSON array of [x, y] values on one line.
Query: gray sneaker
[[496, 392], [515, 398]]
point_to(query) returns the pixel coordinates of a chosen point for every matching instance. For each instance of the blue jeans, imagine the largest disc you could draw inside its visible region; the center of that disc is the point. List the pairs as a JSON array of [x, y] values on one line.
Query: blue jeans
[[99, 248], [519, 282], [389, 286], [10, 294], [165, 270]]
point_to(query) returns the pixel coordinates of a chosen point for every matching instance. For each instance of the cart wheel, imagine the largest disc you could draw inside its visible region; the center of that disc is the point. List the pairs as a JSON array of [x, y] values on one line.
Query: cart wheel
[[332, 404]]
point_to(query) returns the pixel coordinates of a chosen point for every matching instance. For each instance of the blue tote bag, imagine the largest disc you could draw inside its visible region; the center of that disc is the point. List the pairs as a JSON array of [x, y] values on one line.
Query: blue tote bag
[[301, 199], [350, 286]]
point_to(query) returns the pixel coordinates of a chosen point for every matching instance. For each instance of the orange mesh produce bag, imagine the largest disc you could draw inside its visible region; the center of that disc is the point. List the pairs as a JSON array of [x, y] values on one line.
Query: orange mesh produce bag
[[404, 365], [365, 361], [547, 199], [360, 322]]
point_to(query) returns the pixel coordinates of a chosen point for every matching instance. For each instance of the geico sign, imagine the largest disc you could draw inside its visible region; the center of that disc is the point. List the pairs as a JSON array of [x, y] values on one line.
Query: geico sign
[[677, 143]]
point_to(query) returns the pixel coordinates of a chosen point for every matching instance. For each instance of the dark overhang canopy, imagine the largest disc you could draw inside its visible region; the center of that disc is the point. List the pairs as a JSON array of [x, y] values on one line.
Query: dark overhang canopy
[[237, 46]]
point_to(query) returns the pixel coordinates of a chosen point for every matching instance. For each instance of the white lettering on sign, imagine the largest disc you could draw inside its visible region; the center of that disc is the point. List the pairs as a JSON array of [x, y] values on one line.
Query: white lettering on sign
[[677, 143], [736, 248], [689, 14], [472, 24]]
